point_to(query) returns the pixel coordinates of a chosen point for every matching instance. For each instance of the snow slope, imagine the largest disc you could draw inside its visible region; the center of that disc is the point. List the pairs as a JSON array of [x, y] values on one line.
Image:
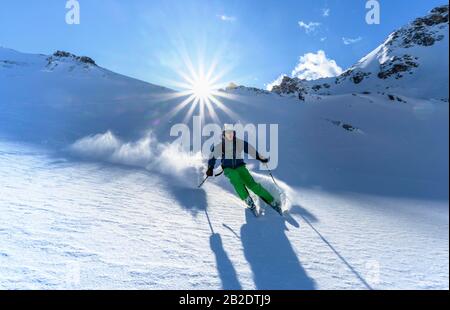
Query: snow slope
[[65, 98], [381, 226], [92, 194], [73, 225]]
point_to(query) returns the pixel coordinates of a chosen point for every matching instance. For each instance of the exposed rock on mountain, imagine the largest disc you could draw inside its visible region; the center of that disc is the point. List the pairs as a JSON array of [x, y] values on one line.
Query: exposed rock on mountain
[[403, 64]]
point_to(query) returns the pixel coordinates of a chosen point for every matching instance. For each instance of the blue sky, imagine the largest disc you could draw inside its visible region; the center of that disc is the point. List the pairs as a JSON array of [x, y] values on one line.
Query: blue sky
[[253, 41]]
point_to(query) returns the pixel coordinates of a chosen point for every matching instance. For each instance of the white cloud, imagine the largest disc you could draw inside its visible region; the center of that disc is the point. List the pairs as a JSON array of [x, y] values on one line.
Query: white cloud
[[226, 18], [348, 41], [309, 27], [323, 39], [326, 12], [315, 66], [276, 82]]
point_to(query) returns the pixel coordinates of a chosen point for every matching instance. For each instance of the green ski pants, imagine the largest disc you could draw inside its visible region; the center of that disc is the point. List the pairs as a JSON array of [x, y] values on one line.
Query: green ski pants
[[242, 180]]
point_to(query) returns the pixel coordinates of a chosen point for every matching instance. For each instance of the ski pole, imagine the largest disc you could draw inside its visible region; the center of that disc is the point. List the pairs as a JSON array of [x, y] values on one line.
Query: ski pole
[[209, 222], [271, 175], [219, 174], [280, 191], [276, 184], [203, 182]]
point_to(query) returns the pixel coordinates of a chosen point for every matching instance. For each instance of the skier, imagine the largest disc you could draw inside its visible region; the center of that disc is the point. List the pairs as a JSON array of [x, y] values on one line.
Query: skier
[[230, 151]]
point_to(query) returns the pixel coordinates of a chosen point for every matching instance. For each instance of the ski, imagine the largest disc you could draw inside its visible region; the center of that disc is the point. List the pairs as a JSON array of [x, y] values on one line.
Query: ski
[[277, 209]]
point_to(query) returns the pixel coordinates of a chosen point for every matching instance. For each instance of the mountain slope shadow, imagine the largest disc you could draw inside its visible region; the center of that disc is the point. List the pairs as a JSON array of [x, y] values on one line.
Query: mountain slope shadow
[[271, 257]]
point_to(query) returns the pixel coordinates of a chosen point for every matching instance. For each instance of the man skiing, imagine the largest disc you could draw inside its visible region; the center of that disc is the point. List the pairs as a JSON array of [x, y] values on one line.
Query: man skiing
[[230, 151]]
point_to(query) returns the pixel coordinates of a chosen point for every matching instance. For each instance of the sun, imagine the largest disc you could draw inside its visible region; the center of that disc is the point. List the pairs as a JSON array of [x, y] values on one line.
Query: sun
[[202, 88], [201, 92]]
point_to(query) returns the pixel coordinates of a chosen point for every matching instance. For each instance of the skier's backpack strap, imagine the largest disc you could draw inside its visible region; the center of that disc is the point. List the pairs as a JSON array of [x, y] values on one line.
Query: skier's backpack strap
[[234, 145], [223, 149], [234, 150]]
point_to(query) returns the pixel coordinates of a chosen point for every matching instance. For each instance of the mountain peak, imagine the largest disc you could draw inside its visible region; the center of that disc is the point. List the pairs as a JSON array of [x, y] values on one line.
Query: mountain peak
[[82, 59], [290, 86], [400, 65], [423, 31], [240, 89]]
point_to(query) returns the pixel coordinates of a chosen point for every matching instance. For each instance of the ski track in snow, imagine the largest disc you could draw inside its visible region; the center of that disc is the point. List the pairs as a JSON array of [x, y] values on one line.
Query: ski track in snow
[[84, 225]]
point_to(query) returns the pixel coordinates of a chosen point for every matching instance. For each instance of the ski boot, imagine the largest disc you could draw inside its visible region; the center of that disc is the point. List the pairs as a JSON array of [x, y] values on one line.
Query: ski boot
[[251, 205]]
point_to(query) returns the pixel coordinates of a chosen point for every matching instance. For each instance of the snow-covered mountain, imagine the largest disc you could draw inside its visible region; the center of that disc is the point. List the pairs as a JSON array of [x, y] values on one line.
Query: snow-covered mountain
[[60, 97], [366, 180], [401, 66]]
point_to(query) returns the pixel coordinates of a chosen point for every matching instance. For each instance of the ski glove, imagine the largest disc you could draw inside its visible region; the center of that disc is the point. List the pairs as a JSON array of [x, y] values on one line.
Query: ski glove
[[210, 172]]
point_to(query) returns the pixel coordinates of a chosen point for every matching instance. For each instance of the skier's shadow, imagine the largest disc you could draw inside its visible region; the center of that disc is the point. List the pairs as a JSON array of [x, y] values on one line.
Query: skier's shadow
[[304, 213], [188, 197], [225, 267], [193, 200], [272, 259]]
